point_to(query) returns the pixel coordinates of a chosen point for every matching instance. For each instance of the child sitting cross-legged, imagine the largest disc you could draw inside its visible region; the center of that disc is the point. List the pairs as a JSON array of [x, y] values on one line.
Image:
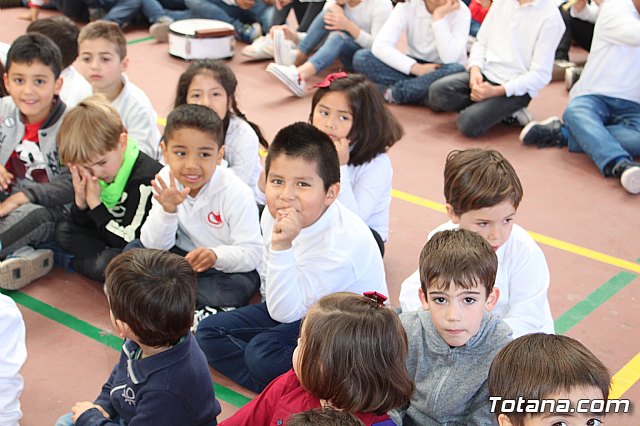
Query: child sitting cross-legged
[[454, 338], [204, 212], [112, 185], [162, 377]]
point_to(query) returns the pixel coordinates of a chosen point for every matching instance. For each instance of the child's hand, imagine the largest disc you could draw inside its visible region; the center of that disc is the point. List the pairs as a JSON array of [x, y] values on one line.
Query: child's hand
[[13, 202], [486, 4], [342, 146], [168, 196], [92, 189], [422, 69], [486, 90], [79, 187], [289, 34], [6, 178], [475, 77], [201, 259], [335, 19], [446, 7], [287, 226], [83, 406], [245, 4]]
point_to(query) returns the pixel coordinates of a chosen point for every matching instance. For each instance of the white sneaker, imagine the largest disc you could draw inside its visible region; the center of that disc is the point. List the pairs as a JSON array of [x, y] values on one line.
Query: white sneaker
[[282, 51], [521, 117], [260, 49], [630, 180], [201, 314], [24, 266], [289, 76], [160, 30]]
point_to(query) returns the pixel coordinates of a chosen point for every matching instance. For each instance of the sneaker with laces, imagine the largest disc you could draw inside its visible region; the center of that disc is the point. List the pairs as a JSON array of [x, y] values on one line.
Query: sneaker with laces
[[521, 117], [24, 266], [260, 49], [560, 66], [282, 51], [160, 29], [571, 76], [289, 76], [544, 133]]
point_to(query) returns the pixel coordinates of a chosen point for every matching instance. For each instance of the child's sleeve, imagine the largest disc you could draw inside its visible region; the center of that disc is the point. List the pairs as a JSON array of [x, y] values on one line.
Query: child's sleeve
[[451, 33], [242, 153], [381, 11], [478, 53], [13, 354], [93, 417], [384, 45], [57, 192], [479, 412], [618, 28]]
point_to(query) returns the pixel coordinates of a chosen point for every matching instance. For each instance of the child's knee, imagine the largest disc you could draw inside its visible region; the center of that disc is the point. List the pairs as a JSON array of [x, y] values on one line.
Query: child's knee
[[467, 125]]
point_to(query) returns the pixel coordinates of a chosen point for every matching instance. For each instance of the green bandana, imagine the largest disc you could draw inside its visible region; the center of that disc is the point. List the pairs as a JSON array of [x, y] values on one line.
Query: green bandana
[[112, 192]]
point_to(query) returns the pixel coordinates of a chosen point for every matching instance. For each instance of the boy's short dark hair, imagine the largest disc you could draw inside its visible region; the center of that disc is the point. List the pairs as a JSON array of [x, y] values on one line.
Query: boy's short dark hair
[[478, 178], [302, 140], [537, 366], [326, 416], [198, 117], [109, 31], [63, 32], [29, 48], [154, 292], [457, 256]]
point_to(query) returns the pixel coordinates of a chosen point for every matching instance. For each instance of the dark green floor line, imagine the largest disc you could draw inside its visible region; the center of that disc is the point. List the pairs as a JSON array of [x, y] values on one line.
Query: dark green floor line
[[225, 394], [139, 40]]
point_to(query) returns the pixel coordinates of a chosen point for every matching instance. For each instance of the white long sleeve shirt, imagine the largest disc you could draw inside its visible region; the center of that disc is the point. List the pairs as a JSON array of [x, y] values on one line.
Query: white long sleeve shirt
[[139, 117], [588, 13], [523, 280], [241, 150], [614, 60], [13, 354], [74, 87], [443, 41], [516, 45], [336, 253], [366, 191], [369, 16], [222, 216]]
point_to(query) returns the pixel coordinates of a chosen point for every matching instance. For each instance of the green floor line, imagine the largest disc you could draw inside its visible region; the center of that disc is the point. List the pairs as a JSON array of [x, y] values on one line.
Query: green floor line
[[589, 304], [139, 40], [225, 394]]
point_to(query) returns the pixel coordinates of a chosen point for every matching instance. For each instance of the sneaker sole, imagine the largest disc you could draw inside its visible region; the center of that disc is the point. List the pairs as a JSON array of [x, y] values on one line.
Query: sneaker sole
[[295, 89], [281, 50], [523, 133], [17, 272], [630, 180]]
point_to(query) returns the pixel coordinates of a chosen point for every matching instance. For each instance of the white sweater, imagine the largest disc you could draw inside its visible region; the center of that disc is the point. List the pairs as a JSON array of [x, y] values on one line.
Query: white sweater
[[139, 117], [366, 191], [13, 354], [241, 151], [516, 45], [336, 253], [369, 16], [614, 60], [222, 216], [523, 280], [74, 87], [443, 41]]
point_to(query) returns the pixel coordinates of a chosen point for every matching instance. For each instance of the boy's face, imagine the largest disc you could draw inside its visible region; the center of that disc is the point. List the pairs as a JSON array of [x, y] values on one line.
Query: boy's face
[[106, 166], [492, 223], [206, 90], [293, 182], [32, 88], [101, 65], [192, 156], [457, 313], [564, 419]]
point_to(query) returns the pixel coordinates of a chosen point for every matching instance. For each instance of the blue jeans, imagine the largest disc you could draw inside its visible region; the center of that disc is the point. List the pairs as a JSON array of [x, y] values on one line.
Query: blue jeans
[[605, 128], [119, 11], [452, 94], [219, 10], [475, 27], [405, 89], [174, 9], [337, 45], [65, 420], [248, 346]]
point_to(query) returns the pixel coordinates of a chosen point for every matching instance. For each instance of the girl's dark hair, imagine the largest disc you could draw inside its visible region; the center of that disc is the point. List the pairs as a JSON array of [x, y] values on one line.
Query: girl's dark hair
[[374, 129], [353, 354], [3, 90], [227, 79]]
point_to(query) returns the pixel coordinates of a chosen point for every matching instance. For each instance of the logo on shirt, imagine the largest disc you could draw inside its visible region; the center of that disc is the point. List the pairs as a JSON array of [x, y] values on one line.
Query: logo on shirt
[[129, 395], [214, 219], [9, 122]]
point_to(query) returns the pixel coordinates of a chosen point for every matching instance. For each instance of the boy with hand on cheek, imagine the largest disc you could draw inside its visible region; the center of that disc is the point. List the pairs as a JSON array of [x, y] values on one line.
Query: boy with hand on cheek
[[204, 212], [453, 340]]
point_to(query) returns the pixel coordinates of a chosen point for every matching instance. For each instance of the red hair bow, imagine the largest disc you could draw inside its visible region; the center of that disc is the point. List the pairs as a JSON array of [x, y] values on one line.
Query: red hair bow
[[376, 297], [330, 78]]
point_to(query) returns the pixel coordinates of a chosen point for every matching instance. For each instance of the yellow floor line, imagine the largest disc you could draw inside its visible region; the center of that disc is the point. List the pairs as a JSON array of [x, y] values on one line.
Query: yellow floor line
[[625, 378]]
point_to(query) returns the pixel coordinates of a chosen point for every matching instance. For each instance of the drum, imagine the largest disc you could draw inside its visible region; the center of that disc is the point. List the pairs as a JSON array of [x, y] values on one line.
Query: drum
[[201, 39]]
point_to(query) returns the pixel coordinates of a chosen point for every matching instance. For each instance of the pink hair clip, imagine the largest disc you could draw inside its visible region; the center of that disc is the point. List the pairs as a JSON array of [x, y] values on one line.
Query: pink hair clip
[[329, 79], [376, 297]]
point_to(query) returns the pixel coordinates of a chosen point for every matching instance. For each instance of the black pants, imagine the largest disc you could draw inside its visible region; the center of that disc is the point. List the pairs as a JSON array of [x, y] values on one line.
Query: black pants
[[575, 29], [305, 13]]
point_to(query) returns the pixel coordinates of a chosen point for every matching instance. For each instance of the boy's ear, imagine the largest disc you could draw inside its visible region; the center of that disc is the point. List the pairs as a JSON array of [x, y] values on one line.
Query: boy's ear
[[5, 78], [220, 155], [124, 64], [453, 217], [423, 299], [332, 194], [503, 420], [57, 86], [122, 140], [163, 147], [492, 299], [123, 329]]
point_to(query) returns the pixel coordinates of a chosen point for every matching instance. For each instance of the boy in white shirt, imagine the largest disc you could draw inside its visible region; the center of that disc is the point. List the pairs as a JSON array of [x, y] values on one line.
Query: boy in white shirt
[[204, 212], [306, 256], [436, 32], [483, 192], [509, 63], [103, 60], [13, 354]]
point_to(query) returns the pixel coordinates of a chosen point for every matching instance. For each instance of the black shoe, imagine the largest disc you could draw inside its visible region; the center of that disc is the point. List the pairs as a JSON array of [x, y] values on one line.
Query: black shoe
[[544, 133], [629, 173]]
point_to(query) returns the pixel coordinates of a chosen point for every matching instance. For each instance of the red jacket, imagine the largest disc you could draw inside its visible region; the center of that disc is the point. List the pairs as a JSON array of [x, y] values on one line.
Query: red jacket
[[284, 397], [477, 12]]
